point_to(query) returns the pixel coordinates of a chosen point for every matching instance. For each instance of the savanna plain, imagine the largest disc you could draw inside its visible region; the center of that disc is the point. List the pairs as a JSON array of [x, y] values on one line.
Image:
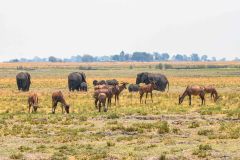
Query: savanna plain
[[129, 130]]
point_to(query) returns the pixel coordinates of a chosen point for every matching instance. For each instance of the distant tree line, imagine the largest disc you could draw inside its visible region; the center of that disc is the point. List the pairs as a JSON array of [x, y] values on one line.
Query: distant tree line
[[135, 56]]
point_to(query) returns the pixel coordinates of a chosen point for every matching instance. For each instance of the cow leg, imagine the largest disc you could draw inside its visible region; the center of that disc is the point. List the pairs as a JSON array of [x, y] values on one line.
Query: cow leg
[[115, 99], [146, 97]]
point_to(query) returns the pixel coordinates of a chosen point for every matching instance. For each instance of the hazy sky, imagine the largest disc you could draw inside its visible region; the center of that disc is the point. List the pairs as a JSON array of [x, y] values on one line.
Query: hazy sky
[[64, 28]]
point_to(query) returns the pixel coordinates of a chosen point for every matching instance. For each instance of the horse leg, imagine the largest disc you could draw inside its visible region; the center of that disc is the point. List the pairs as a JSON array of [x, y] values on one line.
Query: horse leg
[[99, 106], [54, 105], [203, 99], [141, 95], [151, 97], [62, 108], [109, 101], [29, 107], [105, 107], [146, 97], [190, 100], [118, 99], [96, 100]]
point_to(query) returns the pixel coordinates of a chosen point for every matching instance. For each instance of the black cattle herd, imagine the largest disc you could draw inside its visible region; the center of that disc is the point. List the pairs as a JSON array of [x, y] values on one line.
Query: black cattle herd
[[105, 90]]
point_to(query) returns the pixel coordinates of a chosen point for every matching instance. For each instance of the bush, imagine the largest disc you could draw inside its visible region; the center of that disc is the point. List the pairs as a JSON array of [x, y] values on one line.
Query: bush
[[16, 156], [112, 116], [110, 143], [202, 151], [193, 125], [163, 127], [205, 132]]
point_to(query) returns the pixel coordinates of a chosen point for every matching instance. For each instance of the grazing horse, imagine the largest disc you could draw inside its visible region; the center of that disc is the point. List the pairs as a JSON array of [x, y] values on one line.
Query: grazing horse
[[57, 97], [193, 90], [107, 91], [102, 101], [118, 89], [32, 102], [212, 91], [147, 88]]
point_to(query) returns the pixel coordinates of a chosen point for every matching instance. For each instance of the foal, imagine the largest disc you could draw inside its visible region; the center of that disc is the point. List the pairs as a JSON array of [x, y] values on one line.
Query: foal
[[102, 97], [193, 90], [212, 91], [146, 89], [32, 102], [57, 97], [117, 90]]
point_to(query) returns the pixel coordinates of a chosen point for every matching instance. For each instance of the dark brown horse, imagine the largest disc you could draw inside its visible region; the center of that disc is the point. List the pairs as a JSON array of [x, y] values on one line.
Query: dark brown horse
[[57, 97], [147, 88], [212, 90], [102, 101], [117, 89], [195, 91], [32, 102], [107, 91]]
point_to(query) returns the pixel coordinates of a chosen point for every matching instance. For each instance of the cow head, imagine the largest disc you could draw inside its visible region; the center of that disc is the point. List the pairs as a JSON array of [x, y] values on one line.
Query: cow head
[[142, 78]]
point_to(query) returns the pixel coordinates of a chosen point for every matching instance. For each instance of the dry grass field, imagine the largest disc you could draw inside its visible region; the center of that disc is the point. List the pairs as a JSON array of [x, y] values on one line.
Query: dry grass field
[[129, 130]]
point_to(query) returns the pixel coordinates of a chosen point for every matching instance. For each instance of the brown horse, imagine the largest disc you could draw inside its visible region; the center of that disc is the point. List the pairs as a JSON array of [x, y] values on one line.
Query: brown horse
[[32, 102], [57, 97], [102, 101], [212, 90], [195, 91], [117, 90], [108, 93], [147, 88]]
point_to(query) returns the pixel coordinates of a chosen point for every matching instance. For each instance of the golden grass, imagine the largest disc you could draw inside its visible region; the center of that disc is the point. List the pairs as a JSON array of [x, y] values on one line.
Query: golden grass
[[128, 130]]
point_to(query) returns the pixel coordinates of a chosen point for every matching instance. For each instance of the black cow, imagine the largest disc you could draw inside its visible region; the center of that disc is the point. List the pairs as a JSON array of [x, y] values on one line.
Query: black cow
[[101, 82], [112, 82], [23, 81], [160, 80], [133, 88], [75, 79], [83, 86]]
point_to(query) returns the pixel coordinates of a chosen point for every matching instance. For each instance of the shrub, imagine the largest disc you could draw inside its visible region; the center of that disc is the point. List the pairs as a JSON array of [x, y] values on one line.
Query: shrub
[[16, 156], [163, 127], [193, 125], [112, 116], [110, 143], [205, 132], [202, 150]]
